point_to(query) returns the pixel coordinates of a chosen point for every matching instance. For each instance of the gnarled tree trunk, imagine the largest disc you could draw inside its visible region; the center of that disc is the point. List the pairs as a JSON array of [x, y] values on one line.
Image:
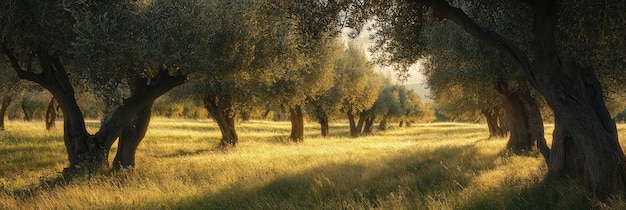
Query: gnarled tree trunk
[[297, 124], [130, 138], [353, 128], [51, 114], [220, 110], [6, 101], [359, 126], [85, 151], [369, 122], [525, 121], [322, 118], [498, 128]]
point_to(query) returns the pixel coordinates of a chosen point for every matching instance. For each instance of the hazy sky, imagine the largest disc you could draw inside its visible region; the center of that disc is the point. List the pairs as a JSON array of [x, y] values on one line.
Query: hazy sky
[[364, 41]]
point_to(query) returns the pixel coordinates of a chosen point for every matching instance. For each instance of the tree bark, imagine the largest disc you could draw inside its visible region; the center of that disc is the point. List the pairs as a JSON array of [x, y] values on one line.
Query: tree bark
[[130, 138], [51, 114], [369, 122], [297, 124], [322, 118], [525, 122], [353, 128], [497, 127], [324, 126], [6, 101], [359, 126], [220, 110]]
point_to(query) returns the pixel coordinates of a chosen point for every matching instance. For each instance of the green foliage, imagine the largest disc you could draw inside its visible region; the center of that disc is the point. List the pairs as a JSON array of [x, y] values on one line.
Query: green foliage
[[311, 80], [34, 105], [358, 84], [398, 102]]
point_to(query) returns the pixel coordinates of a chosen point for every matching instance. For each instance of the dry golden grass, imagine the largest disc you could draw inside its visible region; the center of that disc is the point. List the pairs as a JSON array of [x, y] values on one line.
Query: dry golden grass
[[427, 166]]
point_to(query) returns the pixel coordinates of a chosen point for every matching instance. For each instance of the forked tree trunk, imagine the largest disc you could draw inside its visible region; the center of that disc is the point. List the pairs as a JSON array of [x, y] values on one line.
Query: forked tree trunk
[[498, 128], [51, 114], [297, 124], [130, 138], [6, 101], [220, 110], [86, 152]]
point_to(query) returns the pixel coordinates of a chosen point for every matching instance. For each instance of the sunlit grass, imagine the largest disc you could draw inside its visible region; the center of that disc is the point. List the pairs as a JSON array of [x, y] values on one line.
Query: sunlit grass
[[427, 166]]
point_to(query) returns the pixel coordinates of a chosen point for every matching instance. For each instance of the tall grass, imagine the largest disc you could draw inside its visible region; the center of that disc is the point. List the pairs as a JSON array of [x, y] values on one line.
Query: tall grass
[[427, 166]]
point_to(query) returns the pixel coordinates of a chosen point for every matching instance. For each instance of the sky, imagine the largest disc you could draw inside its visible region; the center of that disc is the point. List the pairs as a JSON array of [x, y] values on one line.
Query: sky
[[416, 77], [364, 41]]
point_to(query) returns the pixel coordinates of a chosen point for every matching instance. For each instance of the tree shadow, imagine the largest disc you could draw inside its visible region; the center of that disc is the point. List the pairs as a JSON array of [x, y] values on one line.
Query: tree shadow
[[554, 194], [407, 178], [184, 152]]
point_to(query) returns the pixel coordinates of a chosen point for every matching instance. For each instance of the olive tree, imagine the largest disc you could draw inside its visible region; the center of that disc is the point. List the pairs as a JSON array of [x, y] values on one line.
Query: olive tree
[[311, 80], [130, 52], [483, 82], [359, 86], [565, 49]]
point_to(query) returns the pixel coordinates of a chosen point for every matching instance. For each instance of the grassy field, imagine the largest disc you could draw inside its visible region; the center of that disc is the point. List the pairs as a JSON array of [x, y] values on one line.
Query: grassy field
[[429, 166]]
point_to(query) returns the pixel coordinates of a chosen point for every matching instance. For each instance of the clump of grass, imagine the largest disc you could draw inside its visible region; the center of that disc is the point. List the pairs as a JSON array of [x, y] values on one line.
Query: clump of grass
[[427, 166]]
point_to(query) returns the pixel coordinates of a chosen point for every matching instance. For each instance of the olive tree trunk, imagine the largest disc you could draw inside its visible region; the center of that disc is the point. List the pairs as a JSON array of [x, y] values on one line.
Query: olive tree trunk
[[369, 122], [353, 128], [221, 111], [51, 114], [297, 124], [359, 126], [322, 118], [130, 138], [525, 121], [87, 152], [498, 128], [6, 101]]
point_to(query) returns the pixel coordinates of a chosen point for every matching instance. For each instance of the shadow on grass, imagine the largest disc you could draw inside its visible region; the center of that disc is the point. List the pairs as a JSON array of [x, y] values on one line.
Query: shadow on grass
[[556, 194], [182, 152], [408, 180]]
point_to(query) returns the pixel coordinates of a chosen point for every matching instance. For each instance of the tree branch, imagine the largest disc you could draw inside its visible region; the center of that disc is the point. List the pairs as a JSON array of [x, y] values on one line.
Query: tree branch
[[18, 68], [442, 9]]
